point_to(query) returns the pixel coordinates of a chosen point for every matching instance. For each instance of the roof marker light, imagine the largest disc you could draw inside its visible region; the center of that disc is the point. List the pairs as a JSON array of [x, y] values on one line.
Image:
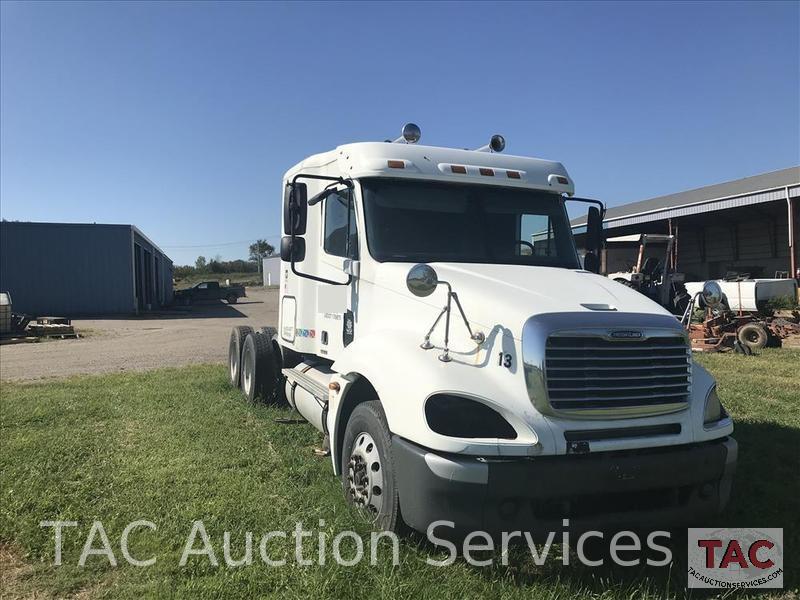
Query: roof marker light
[[513, 175], [396, 164], [458, 169], [487, 172]]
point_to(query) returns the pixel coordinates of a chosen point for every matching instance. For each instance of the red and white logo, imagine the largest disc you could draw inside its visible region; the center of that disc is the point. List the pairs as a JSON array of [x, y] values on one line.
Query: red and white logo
[[735, 558]]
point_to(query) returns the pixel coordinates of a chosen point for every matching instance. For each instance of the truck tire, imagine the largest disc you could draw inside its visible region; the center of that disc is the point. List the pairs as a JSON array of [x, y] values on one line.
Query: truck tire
[[367, 465], [231, 298], [261, 373], [753, 335], [235, 354]]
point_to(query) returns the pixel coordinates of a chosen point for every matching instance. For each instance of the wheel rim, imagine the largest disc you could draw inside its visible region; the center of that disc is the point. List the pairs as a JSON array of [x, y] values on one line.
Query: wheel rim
[[365, 476], [232, 360], [247, 375], [752, 336]]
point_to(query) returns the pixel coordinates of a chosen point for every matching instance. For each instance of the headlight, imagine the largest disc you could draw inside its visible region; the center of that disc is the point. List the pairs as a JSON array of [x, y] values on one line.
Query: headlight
[[455, 416], [714, 411]]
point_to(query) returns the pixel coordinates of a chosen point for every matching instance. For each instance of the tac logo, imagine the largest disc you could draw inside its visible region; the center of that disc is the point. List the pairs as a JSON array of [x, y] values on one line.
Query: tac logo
[[306, 333], [735, 558]]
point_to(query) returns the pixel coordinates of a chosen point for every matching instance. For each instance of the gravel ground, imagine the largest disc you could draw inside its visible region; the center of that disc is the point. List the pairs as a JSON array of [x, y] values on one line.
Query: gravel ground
[[187, 336]]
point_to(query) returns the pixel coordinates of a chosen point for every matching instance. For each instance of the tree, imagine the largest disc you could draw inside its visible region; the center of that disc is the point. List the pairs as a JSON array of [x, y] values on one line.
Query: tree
[[261, 249], [200, 264]]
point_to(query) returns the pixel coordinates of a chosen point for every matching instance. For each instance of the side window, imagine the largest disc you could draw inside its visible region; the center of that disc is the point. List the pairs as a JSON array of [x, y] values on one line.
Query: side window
[[339, 209], [537, 230], [202, 286]]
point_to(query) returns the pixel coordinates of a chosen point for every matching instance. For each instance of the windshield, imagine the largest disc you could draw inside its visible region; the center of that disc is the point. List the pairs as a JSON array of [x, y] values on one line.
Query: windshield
[[424, 221]]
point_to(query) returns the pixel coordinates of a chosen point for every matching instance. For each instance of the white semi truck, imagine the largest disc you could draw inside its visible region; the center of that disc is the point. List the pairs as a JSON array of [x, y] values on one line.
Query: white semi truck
[[436, 325]]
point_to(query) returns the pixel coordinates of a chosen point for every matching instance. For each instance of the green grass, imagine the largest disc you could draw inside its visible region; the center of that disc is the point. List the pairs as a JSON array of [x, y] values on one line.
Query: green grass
[[246, 279], [177, 445]]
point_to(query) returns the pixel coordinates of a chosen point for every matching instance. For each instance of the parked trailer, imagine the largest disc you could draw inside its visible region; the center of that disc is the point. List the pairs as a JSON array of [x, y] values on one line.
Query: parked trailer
[[462, 366]]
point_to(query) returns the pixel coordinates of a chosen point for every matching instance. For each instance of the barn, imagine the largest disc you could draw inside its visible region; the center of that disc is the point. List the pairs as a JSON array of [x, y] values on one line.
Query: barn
[[743, 227], [71, 269]]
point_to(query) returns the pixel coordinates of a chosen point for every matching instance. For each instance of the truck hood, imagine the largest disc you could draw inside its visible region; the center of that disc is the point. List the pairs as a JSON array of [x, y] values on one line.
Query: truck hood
[[512, 293]]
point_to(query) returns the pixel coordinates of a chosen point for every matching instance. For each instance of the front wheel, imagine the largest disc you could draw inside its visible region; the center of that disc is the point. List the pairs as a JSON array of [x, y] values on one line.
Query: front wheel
[[231, 299], [367, 466]]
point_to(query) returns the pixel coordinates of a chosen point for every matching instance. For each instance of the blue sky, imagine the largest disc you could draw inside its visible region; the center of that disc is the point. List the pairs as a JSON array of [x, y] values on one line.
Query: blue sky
[[181, 118]]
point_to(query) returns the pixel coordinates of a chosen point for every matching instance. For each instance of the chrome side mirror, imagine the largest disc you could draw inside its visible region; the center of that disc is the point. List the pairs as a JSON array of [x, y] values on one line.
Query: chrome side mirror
[[712, 294], [422, 280]]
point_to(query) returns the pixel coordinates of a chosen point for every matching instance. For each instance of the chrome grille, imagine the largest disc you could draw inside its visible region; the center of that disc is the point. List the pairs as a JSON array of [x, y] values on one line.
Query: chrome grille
[[588, 374]]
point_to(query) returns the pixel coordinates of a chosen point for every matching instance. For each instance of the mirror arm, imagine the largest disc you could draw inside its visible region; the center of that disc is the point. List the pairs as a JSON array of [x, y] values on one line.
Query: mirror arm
[[320, 279], [599, 204], [293, 206]]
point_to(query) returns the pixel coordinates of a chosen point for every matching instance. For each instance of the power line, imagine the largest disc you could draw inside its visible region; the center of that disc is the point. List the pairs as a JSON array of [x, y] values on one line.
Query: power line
[[250, 241]]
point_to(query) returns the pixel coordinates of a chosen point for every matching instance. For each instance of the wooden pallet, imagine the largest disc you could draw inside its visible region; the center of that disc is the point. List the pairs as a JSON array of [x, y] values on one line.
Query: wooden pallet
[[53, 321], [51, 330], [18, 340]]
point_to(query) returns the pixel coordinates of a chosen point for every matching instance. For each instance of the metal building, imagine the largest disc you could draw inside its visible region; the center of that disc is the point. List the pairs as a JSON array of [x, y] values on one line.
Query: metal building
[[748, 225], [71, 269], [271, 268]]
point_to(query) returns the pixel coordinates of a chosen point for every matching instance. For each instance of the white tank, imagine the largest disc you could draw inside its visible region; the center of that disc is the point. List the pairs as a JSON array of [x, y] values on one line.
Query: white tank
[[304, 401]]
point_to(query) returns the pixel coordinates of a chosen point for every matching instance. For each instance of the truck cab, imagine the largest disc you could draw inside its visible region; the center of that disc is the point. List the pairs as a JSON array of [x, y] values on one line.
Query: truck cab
[[464, 364]]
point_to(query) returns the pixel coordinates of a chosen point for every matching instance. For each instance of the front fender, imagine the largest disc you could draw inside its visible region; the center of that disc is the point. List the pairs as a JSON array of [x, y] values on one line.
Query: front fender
[[702, 382], [404, 376]]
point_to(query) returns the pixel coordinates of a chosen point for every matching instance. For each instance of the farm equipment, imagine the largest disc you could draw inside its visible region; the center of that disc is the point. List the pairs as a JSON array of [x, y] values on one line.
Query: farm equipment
[[743, 294], [722, 329], [462, 364], [652, 276]]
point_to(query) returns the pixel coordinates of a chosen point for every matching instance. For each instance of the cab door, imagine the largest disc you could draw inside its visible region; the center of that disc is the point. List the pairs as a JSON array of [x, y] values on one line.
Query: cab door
[[340, 252]]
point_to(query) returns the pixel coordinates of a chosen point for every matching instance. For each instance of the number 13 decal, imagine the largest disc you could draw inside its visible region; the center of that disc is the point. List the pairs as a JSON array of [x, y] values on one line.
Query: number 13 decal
[[504, 360]]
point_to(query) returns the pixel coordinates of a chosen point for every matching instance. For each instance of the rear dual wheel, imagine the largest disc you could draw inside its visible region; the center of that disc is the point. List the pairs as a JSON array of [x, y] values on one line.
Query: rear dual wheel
[[262, 377], [235, 347]]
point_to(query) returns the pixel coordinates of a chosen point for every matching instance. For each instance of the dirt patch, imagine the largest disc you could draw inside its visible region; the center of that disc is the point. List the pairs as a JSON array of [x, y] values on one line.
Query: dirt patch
[[169, 339], [14, 573]]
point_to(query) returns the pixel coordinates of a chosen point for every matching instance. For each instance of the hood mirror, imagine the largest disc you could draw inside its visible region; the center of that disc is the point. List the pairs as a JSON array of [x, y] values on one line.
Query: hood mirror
[[422, 280]]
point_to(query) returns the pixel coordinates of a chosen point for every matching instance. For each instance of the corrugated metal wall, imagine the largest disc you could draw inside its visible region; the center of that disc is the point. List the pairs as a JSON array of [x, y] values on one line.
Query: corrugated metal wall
[[154, 270], [751, 245], [67, 269], [749, 239]]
